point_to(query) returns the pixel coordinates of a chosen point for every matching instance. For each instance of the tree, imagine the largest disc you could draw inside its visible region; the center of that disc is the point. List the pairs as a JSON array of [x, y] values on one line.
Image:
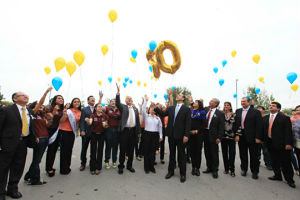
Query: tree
[[181, 90], [1, 96], [261, 99], [288, 111]]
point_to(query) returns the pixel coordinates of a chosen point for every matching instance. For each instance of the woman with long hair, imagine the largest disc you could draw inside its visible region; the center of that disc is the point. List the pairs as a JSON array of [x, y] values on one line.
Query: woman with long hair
[[69, 124], [99, 122], [40, 123], [55, 112], [228, 140]]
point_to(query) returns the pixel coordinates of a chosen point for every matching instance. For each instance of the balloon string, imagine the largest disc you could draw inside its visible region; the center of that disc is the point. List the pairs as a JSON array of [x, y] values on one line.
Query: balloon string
[[69, 89], [112, 50], [82, 94]]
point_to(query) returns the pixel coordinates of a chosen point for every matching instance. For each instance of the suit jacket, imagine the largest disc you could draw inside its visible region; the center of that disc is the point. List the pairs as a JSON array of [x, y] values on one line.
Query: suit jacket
[[85, 113], [252, 124], [216, 126], [282, 134], [182, 125], [11, 129], [125, 114]]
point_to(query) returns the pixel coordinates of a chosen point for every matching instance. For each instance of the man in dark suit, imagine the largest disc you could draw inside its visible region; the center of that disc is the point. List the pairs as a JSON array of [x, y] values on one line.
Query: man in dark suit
[[250, 121], [213, 133], [129, 129], [178, 131], [85, 130], [16, 134], [278, 136]]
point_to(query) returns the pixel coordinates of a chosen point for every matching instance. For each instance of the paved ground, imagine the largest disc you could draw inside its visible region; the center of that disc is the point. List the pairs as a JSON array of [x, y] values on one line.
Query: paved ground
[[110, 185]]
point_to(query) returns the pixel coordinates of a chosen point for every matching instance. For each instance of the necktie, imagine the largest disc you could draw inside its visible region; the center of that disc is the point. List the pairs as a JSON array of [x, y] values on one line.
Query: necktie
[[270, 126], [176, 112], [243, 118], [208, 117], [24, 122], [130, 117]]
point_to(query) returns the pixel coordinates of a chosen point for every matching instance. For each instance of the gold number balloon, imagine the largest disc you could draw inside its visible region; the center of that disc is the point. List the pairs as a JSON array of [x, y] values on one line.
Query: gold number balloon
[[157, 61]]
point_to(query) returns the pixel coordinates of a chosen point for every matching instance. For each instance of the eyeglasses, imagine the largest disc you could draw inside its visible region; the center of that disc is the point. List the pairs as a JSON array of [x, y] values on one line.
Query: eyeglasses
[[22, 95]]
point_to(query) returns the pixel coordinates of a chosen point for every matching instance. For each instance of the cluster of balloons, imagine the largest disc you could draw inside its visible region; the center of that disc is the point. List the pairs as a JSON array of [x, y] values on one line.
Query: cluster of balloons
[[291, 77]]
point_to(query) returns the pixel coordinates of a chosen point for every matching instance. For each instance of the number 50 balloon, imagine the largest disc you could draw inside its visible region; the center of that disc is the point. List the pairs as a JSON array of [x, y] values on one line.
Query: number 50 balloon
[[157, 61]]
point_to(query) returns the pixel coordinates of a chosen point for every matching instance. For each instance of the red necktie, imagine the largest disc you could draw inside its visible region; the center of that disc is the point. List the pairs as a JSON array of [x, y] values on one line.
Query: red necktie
[[208, 117]]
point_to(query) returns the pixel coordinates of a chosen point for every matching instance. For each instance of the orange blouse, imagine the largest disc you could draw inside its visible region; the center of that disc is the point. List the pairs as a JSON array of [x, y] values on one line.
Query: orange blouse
[[66, 126]]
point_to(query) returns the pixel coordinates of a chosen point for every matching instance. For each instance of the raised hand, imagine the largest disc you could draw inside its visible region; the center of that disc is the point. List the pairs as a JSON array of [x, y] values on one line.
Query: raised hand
[[100, 94], [146, 98], [118, 88]]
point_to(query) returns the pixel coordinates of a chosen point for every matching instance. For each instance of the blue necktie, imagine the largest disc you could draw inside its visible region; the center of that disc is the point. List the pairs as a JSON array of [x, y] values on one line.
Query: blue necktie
[[176, 112]]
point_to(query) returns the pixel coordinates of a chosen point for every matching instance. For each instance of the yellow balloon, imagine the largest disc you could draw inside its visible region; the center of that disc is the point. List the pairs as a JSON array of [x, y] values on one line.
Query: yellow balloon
[[132, 60], [233, 53], [104, 49], [151, 77], [59, 63], [256, 58], [139, 83], [100, 83], [294, 87], [113, 15], [261, 79], [79, 57], [71, 68], [119, 79], [47, 70], [155, 79], [145, 84]]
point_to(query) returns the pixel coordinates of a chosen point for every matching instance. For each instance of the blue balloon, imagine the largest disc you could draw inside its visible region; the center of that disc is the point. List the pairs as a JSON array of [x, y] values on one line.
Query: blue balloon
[[150, 68], [224, 62], [173, 88], [155, 96], [57, 83], [124, 84], [257, 90], [130, 81], [109, 79], [235, 95], [152, 45], [103, 104], [166, 97], [126, 79], [216, 69], [291, 77], [221, 81], [134, 53], [248, 96]]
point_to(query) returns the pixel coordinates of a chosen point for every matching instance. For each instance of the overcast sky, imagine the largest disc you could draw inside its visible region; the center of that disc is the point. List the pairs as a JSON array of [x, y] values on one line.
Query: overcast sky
[[34, 33]]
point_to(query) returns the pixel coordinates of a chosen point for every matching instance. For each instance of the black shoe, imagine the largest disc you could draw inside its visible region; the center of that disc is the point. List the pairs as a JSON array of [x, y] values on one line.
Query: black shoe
[[155, 163], [207, 171], [197, 172], [147, 171], [182, 178], [51, 174], [275, 178], [120, 171], [2, 197], [14, 195], [255, 176], [169, 175], [153, 170], [131, 170], [162, 161], [37, 183], [193, 172], [215, 175], [244, 173], [82, 167], [188, 160], [292, 185]]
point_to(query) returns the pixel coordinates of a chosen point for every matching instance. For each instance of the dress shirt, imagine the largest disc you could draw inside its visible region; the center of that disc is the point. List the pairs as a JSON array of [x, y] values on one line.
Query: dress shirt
[[92, 108], [242, 122], [133, 117], [27, 114], [152, 123], [211, 115], [177, 108]]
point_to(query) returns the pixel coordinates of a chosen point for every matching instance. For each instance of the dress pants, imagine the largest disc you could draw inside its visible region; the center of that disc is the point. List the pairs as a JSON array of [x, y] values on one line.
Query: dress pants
[[211, 152], [85, 141], [67, 143], [252, 147], [111, 144], [196, 142], [52, 149], [181, 157], [38, 151], [127, 142], [281, 161], [97, 143], [267, 159], [149, 149], [12, 163], [228, 152], [297, 152]]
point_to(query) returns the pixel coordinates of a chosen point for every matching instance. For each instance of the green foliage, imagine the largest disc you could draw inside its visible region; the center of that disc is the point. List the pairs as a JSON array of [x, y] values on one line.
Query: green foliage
[[181, 90], [261, 99], [287, 111]]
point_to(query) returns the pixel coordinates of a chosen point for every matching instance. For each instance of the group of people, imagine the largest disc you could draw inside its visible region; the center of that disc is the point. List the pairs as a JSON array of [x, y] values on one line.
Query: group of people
[[120, 125]]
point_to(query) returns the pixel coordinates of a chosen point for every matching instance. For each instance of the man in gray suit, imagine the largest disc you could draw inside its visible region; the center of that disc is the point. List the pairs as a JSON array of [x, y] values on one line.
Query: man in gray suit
[[129, 129]]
